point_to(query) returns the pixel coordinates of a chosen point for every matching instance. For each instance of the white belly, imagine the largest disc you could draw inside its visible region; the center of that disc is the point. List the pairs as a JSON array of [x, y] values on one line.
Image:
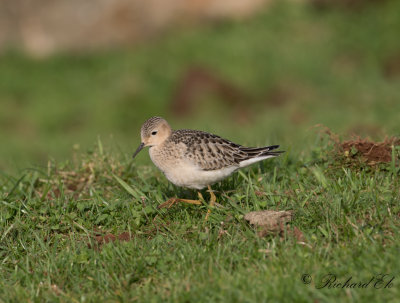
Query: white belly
[[193, 177], [184, 173]]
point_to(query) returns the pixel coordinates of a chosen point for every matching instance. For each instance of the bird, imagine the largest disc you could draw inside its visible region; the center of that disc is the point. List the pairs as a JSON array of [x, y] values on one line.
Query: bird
[[196, 159]]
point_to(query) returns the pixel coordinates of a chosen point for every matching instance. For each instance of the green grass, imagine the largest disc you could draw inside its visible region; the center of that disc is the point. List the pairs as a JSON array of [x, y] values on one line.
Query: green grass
[[58, 190], [49, 221]]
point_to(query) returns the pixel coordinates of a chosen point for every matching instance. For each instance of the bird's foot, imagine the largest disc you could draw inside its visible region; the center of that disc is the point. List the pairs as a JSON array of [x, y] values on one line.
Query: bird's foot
[[170, 202], [212, 202]]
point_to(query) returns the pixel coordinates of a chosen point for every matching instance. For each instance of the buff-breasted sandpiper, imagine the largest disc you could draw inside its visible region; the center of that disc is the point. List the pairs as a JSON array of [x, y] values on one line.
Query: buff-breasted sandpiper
[[196, 159]]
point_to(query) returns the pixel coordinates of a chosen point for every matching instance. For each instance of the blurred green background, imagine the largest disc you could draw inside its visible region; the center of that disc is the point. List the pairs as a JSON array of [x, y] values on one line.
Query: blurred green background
[[265, 79]]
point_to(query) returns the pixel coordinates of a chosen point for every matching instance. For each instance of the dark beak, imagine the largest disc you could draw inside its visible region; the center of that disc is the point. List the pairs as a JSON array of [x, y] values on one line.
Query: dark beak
[[138, 149]]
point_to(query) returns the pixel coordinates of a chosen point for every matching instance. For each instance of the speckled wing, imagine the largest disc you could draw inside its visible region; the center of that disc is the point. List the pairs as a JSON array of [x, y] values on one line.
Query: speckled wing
[[211, 152]]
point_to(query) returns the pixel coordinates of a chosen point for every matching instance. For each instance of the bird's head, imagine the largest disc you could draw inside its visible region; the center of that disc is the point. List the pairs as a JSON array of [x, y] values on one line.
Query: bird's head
[[154, 132]]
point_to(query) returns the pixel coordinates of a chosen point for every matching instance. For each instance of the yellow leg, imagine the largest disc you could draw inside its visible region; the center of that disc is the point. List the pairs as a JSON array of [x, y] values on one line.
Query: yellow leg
[[173, 201], [170, 202], [212, 202]]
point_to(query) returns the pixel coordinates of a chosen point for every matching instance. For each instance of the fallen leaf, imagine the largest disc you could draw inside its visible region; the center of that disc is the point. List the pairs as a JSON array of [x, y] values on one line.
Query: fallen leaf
[[269, 219], [274, 222]]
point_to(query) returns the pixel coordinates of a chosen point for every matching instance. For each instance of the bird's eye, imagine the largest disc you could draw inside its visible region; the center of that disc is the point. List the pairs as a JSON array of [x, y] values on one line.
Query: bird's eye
[[154, 133]]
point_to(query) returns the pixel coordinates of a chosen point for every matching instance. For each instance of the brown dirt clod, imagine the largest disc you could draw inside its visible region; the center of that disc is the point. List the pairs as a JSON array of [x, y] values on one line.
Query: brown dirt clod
[[372, 152]]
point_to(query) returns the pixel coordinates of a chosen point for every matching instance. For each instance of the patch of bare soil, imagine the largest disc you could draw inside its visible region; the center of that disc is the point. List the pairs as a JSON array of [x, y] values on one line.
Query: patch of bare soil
[[100, 240], [371, 152], [364, 149]]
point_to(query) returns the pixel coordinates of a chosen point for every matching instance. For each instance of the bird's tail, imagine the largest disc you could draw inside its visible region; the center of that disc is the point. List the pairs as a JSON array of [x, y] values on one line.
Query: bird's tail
[[262, 151], [255, 154]]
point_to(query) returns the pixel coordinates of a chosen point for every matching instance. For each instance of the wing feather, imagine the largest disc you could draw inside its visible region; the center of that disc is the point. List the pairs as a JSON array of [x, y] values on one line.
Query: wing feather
[[211, 152]]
